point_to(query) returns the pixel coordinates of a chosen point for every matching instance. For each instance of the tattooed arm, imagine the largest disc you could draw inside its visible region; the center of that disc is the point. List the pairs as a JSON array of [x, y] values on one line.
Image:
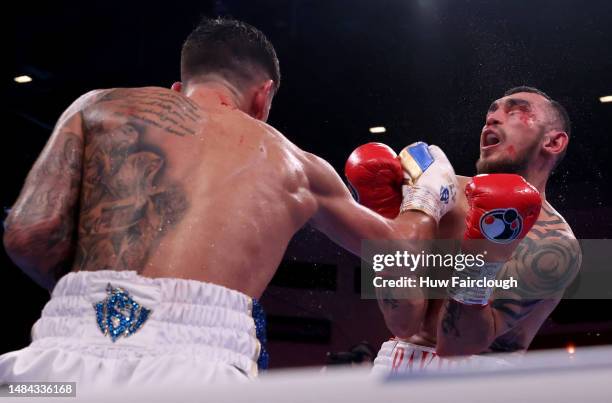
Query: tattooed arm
[[39, 230], [544, 265], [403, 312]]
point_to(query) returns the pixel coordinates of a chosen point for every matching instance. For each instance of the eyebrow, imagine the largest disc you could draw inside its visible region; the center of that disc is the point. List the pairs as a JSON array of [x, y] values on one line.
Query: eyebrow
[[493, 107], [509, 103]]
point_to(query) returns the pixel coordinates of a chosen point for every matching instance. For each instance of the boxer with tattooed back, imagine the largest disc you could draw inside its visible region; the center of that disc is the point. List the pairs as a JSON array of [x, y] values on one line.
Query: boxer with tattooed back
[[170, 211]]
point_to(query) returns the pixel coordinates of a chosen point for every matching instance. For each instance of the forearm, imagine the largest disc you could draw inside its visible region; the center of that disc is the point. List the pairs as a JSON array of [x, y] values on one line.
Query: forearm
[[414, 226], [464, 329], [403, 313], [404, 307]]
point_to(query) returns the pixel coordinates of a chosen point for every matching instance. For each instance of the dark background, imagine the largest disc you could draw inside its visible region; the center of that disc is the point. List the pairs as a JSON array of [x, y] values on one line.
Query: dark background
[[426, 70]]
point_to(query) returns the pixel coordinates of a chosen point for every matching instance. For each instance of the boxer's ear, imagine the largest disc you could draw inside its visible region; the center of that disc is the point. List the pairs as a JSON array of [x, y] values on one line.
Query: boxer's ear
[[262, 100], [177, 86], [555, 142]]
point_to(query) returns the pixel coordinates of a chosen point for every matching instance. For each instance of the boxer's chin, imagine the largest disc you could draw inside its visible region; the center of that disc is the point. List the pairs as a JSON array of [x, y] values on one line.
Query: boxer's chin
[[504, 164], [501, 166]]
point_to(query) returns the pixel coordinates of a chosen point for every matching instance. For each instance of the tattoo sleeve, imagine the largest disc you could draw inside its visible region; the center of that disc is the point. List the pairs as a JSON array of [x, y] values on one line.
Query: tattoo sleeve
[[39, 231], [544, 264]]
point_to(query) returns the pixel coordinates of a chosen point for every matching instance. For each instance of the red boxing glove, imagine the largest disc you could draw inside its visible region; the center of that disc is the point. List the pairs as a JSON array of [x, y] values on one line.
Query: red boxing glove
[[375, 176], [503, 208]]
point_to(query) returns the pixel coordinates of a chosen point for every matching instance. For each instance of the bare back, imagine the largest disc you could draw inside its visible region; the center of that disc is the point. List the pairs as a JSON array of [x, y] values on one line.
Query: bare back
[[172, 188]]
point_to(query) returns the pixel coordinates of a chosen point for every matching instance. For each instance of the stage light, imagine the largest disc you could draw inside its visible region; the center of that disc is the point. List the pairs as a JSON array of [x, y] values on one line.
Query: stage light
[[23, 79], [607, 98], [377, 129]]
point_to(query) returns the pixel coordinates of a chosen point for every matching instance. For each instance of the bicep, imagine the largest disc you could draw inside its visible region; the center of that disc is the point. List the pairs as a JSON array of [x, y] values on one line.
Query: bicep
[[338, 215], [543, 270]]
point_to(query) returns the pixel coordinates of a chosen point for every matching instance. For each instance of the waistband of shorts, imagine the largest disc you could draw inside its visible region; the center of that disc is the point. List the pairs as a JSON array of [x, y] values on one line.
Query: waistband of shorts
[[193, 315], [388, 352], [155, 290], [413, 347]]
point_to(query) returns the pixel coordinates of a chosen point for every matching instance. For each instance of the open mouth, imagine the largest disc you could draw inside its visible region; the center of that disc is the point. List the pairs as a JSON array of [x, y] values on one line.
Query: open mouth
[[490, 139]]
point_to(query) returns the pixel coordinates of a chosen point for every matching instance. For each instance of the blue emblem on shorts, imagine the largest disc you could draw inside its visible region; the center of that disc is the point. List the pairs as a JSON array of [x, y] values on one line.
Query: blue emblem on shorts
[[118, 314], [501, 225]]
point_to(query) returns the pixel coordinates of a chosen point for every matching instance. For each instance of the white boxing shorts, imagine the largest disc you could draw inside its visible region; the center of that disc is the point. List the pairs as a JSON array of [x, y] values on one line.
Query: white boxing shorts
[[119, 328], [400, 357]]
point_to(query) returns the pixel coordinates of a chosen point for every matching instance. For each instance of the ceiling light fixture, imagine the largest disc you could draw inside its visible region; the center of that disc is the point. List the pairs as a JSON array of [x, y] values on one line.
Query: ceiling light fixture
[[607, 98], [23, 79]]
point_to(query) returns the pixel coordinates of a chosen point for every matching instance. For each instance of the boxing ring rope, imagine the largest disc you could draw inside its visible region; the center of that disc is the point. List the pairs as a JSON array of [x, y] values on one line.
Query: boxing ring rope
[[544, 376]]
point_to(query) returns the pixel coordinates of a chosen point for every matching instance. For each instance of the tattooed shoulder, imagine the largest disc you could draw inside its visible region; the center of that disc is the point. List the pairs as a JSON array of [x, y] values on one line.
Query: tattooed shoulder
[[550, 224], [158, 108], [546, 261]]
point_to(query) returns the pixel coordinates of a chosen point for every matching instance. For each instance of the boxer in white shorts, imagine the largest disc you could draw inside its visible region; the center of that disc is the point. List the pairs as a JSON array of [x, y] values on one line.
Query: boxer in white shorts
[[170, 210]]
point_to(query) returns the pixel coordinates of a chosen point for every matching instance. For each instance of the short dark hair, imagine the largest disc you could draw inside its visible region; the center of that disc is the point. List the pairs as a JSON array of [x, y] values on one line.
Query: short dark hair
[[233, 49], [561, 117]]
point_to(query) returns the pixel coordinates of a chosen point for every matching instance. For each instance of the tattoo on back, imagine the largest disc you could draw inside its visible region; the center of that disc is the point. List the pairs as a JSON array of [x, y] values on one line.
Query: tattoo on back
[[155, 108], [127, 203]]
